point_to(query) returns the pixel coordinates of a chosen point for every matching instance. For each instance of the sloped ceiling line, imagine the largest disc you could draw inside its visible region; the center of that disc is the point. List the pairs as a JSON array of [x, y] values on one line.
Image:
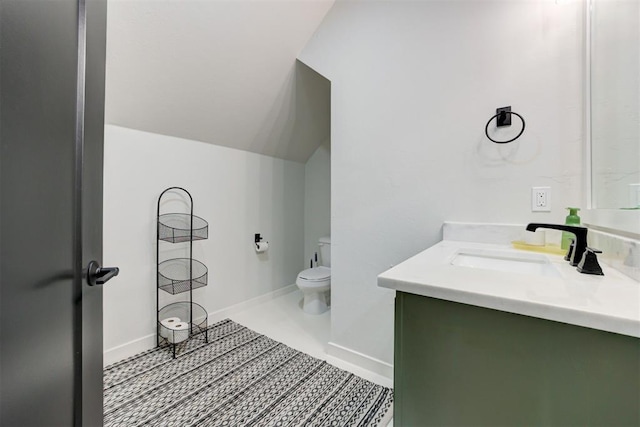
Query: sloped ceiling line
[[222, 72]]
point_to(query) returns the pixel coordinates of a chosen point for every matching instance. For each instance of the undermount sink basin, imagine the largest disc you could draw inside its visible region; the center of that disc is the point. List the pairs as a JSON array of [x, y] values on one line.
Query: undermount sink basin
[[510, 262]]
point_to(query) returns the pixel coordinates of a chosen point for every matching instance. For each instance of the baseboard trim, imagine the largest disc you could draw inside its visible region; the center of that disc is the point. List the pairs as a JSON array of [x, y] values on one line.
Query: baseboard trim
[[353, 357], [224, 313], [128, 349]]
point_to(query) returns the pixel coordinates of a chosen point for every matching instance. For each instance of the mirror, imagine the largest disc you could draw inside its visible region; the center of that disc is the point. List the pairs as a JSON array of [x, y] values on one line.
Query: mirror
[[614, 105]]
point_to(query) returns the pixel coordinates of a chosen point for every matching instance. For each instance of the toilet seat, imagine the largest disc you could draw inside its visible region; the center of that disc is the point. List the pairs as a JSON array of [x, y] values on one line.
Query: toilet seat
[[314, 278], [316, 274]]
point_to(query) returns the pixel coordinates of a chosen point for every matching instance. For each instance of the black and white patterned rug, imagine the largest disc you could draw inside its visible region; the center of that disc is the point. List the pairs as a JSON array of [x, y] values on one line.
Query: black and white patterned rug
[[240, 378]]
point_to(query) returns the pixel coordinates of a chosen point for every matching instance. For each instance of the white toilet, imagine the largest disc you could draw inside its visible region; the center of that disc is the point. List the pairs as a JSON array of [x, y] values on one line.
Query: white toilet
[[316, 282]]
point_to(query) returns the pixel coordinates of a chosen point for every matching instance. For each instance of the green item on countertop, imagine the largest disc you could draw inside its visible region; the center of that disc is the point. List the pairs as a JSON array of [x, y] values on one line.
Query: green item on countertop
[[572, 219]]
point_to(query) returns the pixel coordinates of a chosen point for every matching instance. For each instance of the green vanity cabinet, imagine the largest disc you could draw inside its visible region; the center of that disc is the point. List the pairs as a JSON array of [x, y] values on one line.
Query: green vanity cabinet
[[463, 365]]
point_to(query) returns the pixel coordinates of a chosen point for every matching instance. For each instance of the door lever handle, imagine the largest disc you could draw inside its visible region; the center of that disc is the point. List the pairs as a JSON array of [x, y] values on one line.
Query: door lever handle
[[97, 275]]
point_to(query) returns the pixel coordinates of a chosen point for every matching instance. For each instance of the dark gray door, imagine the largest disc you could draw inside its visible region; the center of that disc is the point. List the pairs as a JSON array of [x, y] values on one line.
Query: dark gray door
[[52, 55]]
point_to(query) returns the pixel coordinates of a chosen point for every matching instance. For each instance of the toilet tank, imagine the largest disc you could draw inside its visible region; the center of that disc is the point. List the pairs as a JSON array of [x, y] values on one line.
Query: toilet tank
[[325, 250]]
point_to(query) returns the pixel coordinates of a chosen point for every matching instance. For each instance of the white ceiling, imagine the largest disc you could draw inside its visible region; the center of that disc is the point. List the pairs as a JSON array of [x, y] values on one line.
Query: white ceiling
[[218, 71]]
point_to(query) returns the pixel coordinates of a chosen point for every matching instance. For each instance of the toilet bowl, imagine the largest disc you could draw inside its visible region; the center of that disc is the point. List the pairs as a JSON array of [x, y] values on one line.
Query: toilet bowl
[[315, 282]]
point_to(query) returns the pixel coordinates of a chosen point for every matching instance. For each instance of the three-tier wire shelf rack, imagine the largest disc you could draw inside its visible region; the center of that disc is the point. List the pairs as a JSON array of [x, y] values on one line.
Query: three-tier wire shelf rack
[[178, 277]]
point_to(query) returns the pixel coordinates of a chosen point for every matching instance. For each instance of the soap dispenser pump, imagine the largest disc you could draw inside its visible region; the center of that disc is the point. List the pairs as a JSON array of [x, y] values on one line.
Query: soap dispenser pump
[[572, 219]]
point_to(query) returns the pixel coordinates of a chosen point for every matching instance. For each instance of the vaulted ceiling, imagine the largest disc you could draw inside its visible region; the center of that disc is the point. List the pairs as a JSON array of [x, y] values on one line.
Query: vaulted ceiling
[[218, 71]]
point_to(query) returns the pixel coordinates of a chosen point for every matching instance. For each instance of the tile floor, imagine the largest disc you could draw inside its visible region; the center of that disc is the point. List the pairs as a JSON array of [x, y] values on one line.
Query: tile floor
[[283, 320]]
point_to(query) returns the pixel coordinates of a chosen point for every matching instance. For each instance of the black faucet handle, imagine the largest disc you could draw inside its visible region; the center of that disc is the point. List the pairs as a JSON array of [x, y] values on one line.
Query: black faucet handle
[[572, 246], [589, 262], [579, 232]]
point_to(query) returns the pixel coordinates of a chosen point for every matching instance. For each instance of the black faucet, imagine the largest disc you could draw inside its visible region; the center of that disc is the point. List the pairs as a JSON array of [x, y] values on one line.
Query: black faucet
[[580, 245]]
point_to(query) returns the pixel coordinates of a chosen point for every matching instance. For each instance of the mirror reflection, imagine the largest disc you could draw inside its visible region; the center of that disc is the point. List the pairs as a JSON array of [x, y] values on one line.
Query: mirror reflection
[[615, 104]]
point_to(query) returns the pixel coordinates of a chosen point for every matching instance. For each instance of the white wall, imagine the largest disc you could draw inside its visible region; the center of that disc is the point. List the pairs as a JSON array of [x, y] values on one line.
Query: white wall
[[237, 192], [317, 200], [413, 84]]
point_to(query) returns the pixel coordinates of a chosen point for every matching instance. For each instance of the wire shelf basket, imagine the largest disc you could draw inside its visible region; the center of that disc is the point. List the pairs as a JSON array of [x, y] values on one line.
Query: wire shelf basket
[[173, 275], [179, 322], [176, 227], [191, 313]]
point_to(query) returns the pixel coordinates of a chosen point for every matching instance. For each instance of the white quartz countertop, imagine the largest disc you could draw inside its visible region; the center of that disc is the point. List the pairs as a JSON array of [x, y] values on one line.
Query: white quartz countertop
[[609, 303]]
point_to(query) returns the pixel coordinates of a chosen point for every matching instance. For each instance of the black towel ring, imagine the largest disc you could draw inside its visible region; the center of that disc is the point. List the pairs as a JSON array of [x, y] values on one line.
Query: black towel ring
[[486, 128]]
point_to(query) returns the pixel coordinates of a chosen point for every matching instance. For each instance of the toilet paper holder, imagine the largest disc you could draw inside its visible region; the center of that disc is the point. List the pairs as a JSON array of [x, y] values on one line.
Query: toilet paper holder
[[261, 244]]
